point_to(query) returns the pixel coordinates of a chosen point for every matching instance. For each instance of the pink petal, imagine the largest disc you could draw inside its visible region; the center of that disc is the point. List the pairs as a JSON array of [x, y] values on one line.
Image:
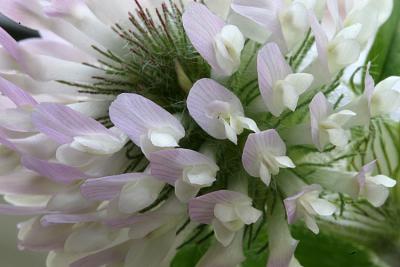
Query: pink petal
[[202, 26], [281, 243], [107, 188], [168, 165], [205, 92], [16, 94], [259, 11], [365, 170], [320, 108], [57, 172], [10, 45], [264, 13], [135, 115], [55, 48], [291, 202], [45, 68], [256, 145], [369, 88], [62, 123], [6, 209], [271, 67], [201, 209], [321, 41], [26, 182]]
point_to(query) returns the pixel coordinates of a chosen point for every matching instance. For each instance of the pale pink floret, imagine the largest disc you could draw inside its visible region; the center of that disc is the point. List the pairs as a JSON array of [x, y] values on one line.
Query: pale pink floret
[[187, 170], [202, 26], [62, 123], [147, 124], [56, 172], [264, 154], [280, 88], [218, 111], [375, 188]]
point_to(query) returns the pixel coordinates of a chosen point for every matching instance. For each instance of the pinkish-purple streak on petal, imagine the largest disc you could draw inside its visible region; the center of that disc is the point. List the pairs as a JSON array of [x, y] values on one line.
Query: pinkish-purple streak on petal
[[25, 182], [51, 219], [202, 26], [290, 203], [104, 257], [320, 108], [271, 67], [256, 145], [366, 169], [135, 115], [168, 165], [321, 41], [201, 209], [16, 94], [369, 88], [57, 172], [11, 46], [62, 123], [6, 209], [205, 92], [107, 188]]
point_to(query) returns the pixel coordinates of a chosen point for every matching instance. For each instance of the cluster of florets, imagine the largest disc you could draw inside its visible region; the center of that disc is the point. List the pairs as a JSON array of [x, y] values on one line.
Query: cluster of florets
[[131, 193]]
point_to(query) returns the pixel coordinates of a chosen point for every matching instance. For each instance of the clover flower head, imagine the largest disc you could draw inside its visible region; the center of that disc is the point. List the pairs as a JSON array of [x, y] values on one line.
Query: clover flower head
[[128, 127]]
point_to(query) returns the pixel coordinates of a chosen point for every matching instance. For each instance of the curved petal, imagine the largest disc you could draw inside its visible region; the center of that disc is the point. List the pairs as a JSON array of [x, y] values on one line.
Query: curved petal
[[201, 209], [258, 144], [55, 171], [271, 67], [62, 123], [136, 115], [16, 94], [206, 100], [168, 165], [202, 26]]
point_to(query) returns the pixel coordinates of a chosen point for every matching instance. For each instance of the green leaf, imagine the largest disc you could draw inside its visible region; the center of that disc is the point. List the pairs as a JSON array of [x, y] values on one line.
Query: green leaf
[[189, 255], [322, 250], [325, 250], [385, 52]]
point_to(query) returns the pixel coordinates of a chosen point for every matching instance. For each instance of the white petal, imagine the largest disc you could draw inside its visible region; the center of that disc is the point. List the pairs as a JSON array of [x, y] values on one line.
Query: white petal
[[201, 176], [139, 194], [247, 213], [382, 180], [300, 81], [338, 137], [311, 224], [323, 207], [248, 123], [163, 139], [222, 234], [376, 194], [89, 238], [230, 132], [265, 174], [285, 162], [185, 191], [97, 144], [290, 96], [224, 213], [342, 117]]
